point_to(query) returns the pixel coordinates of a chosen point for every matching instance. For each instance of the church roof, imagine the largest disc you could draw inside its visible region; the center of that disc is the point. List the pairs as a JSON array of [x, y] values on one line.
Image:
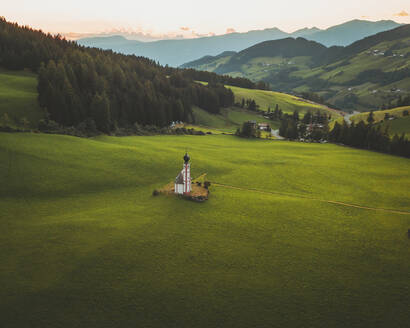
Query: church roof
[[180, 178], [186, 158]]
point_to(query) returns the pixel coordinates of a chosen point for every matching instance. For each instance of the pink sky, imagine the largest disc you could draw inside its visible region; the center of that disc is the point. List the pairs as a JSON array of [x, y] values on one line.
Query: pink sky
[[190, 18]]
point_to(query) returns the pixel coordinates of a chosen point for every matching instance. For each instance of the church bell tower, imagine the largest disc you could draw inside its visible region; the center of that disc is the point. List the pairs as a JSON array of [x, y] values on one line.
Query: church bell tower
[[187, 174]]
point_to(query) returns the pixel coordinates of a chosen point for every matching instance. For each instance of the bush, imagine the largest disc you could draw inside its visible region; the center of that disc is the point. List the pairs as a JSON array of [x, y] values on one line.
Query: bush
[[5, 120], [45, 125]]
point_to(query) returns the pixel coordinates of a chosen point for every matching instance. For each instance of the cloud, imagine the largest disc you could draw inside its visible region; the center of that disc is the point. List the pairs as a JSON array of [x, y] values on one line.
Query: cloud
[[139, 34], [403, 13], [230, 30]]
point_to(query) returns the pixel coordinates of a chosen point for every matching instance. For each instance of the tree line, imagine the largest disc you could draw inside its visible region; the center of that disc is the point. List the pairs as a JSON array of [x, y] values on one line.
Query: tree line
[[222, 79], [369, 136], [78, 84], [315, 126]]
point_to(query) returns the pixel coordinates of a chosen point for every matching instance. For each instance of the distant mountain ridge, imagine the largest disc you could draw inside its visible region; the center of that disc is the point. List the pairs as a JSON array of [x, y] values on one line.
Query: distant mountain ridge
[[370, 73], [178, 52], [347, 33]]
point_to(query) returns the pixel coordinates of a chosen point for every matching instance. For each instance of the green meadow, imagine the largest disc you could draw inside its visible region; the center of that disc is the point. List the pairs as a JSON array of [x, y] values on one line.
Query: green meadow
[[18, 97], [379, 114], [228, 120], [399, 126], [286, 102], [401, 123], [85, 244]]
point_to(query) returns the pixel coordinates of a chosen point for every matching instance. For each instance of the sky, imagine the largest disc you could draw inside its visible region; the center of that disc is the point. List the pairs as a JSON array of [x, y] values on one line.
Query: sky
[[190, 18]]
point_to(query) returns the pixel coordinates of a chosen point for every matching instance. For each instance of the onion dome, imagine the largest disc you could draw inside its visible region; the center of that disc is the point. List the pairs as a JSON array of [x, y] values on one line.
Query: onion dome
[[186, 158]]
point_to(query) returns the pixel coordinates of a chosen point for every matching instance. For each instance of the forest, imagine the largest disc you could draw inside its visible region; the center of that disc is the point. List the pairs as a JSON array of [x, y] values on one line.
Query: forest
[[314, 126], [78, 84]]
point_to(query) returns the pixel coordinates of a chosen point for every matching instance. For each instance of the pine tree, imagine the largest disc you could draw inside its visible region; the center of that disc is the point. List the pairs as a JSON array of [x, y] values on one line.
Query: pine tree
[[295, 116], [100, 109], [370, 118]]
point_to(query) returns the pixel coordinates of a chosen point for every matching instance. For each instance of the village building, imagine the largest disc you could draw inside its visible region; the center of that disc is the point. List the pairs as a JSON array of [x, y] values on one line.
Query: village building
[[183, 180], [264, 126]]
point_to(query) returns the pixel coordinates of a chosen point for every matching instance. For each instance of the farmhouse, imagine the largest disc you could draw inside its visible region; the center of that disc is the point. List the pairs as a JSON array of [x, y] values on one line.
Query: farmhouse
[[264, 126], [183, 179]]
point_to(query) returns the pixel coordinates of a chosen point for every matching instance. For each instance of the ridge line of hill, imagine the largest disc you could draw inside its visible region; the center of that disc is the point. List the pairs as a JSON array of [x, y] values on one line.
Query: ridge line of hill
[[169, 51]]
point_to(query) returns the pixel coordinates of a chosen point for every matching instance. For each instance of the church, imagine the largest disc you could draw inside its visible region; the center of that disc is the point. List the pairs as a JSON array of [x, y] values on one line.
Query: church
[[183, 180]]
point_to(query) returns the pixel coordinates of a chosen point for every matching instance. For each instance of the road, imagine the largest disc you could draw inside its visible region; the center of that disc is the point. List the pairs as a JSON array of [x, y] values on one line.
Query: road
[[403, 212], [348, 116], [275, 133]]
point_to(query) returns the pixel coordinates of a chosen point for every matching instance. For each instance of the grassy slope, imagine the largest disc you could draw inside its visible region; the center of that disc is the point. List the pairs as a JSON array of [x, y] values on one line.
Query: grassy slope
[[399, 125], [85, 244], [18, 97], [370, 94], [287, 103], [229, 119], [379, 114], [213, 65], [260, 68], [340, 74]]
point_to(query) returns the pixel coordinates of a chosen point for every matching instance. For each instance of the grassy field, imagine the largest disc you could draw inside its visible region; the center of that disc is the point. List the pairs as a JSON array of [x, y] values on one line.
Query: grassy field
[[84, 244], [18, 97]]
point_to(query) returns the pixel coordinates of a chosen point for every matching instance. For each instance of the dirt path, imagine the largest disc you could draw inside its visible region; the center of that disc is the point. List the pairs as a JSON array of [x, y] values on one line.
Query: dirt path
[[313, 198]]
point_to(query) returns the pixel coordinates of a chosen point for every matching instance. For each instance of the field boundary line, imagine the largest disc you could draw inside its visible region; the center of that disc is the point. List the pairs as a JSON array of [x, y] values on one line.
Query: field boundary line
[[312, 198]]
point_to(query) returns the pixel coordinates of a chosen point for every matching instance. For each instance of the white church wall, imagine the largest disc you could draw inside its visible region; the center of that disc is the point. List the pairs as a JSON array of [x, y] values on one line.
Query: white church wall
[[179, 188]]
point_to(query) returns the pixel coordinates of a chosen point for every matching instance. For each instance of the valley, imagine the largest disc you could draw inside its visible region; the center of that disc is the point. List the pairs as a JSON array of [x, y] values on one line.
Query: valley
[[137, 194]]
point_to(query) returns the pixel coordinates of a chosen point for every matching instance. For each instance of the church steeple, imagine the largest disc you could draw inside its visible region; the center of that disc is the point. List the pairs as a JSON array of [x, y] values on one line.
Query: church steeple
[[186, 158], [183, 180]]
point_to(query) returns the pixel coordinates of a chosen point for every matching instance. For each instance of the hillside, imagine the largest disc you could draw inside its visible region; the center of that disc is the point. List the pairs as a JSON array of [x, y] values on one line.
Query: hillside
[[398, 120], [18, 98], [101, 90], [287, 103], [285, 48], [178, 52], [209, 63], [87, 244], [367, 74], [228, 120]]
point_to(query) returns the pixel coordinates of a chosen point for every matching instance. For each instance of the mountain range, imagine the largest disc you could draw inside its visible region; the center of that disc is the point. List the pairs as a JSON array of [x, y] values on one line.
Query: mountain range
[[180, 51], [370, 73]]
